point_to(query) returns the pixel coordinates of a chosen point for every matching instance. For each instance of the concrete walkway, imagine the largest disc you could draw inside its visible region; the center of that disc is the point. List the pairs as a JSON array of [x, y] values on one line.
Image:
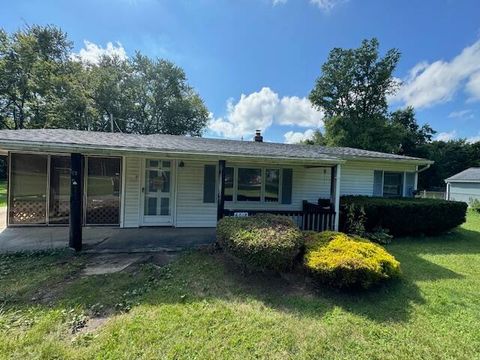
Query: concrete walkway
[[106, 239]]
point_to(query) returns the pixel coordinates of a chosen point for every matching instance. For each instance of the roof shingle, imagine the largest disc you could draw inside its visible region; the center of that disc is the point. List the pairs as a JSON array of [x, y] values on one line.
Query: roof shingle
[[174, 143], [470, 174]]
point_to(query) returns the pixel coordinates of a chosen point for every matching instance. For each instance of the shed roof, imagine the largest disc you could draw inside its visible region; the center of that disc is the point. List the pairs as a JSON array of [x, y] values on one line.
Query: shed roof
[[65, 140], [469, 175]]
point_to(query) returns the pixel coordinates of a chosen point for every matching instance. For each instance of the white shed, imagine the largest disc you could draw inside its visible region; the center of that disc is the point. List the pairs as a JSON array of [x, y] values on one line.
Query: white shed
[[464, 186]]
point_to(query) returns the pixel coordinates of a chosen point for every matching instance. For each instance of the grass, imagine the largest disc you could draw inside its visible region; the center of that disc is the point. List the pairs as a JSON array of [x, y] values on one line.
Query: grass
[[3, 193], [202, 306]]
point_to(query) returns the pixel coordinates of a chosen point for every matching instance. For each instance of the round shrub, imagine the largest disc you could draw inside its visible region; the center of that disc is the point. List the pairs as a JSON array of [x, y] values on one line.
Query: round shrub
[[261, 241], [342, 261]]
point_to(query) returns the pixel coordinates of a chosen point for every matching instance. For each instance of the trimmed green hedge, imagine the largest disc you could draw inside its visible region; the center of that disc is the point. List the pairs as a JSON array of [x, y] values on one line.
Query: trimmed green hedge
[[407, 216], [261, 241], [342, 261]]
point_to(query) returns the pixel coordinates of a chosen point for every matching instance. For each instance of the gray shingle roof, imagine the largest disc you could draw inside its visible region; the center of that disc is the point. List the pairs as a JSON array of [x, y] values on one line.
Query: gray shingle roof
[[471, 174], [62, 138]]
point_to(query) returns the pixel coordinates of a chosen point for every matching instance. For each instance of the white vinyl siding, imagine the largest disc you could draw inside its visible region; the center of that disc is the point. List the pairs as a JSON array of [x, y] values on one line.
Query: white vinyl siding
[[308, 184], [357, 176], [465, 192], [131, 206], [191, 211]]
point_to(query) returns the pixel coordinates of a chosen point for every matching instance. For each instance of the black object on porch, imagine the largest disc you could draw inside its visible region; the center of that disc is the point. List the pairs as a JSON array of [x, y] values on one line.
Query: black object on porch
[[76, 195], [312, 217]]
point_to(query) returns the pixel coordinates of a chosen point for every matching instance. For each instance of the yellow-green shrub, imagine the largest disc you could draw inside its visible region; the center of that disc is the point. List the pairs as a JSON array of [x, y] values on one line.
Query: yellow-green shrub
[[342, 261]]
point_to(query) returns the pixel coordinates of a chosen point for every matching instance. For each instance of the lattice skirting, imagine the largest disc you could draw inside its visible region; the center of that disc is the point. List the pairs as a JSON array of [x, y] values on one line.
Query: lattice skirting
[[28, 212]]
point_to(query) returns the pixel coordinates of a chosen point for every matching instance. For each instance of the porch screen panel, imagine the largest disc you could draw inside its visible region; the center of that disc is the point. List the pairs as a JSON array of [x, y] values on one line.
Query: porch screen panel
[[59, 206], [28, 189], [103, 191]]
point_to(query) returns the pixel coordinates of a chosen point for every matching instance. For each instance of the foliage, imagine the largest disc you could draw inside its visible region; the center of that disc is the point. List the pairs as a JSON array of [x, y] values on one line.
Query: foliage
[[355, 220], [262, 241], [316, 139], [450, 158], [352, 91], [407, 216], [379, 235], [475, 205], [42, 85], [410, 134], [342, 261]]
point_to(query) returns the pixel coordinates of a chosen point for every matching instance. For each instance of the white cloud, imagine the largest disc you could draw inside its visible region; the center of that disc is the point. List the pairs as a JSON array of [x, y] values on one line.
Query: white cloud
[[473, 139], [92, 53], [278, 2], [446, 136], [461, 114], [429, 84], [262, 109], [473, 86], [292, 137], [326, 5]]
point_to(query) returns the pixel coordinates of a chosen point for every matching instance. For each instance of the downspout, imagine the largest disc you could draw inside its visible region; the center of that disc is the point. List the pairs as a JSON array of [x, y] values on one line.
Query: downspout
[[423, 169], [418, 171]]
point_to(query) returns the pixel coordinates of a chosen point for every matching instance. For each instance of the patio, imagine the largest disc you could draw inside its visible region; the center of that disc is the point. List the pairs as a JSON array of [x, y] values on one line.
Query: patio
[[106, 239]]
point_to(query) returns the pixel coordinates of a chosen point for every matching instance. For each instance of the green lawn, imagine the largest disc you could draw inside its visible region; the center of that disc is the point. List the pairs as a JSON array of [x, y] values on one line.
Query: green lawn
[[201, 306], [3, 193]]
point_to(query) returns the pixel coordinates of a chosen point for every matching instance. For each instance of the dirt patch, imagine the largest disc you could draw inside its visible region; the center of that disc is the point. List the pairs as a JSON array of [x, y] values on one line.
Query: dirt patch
[[110, 263]]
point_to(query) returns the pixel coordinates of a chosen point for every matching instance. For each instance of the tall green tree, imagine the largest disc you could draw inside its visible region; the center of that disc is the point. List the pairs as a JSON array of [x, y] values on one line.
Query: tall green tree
[[32, 65], [411, 135], [450, 157], [352, 91], [42, 85]]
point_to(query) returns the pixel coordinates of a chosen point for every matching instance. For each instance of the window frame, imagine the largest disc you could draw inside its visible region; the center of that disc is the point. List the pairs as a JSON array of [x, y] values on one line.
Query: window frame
[[402, 183], [262, 189], [85, 189]]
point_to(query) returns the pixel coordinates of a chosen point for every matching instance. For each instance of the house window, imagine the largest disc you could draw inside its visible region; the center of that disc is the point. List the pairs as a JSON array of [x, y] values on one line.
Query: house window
[[229, 180], [249, 184], [272, 185], [392, 184], [103, 190], [28, 189]]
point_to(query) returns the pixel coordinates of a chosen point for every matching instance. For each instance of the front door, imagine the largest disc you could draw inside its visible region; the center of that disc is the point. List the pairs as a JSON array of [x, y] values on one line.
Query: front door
[[157, 192]]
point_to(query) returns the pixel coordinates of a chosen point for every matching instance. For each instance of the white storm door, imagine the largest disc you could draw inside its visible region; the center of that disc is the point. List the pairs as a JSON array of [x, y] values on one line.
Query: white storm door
[[157, 192]]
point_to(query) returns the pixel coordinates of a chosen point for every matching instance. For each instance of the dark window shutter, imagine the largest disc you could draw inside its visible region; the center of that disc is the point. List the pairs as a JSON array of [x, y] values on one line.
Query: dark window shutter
[[409, 184], [287, 177], [377, 183], [209, 177]]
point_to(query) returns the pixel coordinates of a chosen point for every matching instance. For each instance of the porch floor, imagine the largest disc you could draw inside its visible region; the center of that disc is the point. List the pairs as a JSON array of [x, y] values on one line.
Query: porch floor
[[106, 239]]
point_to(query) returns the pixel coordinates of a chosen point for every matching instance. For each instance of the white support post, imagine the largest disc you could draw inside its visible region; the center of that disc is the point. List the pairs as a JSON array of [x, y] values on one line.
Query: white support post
[[338, 176]]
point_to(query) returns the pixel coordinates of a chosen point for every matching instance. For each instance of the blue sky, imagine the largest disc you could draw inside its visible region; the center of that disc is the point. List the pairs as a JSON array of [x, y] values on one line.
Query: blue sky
[[254, 61]]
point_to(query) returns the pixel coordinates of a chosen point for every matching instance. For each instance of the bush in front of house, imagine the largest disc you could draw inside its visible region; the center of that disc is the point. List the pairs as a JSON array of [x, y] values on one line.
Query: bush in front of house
[[405, 216], [266, 242], [342, 261]]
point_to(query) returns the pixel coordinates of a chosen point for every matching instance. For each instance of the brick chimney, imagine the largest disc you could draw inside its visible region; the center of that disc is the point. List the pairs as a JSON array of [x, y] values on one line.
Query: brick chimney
[[258, 136]]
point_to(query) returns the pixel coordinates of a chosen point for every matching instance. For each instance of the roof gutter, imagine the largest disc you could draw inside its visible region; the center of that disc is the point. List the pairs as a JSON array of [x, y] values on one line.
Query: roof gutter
[[372, 158]]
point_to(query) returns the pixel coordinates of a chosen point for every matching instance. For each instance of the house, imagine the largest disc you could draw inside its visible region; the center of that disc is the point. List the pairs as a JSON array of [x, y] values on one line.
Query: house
[[464, 186], [131, 180]]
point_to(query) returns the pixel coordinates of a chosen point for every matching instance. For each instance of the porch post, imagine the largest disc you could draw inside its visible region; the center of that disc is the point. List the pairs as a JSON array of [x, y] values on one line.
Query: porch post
[[332, 185], [76, 195], [338, 173], [221, 189]]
